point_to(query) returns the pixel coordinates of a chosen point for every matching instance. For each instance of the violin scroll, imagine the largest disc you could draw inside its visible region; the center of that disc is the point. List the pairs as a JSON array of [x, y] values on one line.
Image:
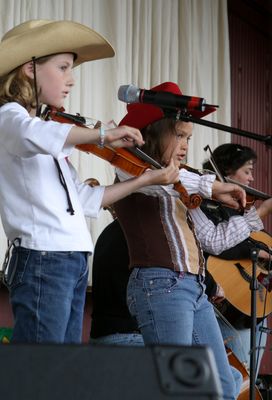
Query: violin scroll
[[191, 201]]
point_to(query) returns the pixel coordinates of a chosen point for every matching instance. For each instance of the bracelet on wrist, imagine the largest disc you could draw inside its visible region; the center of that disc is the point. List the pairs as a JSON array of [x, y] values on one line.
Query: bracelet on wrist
[[101, 137]]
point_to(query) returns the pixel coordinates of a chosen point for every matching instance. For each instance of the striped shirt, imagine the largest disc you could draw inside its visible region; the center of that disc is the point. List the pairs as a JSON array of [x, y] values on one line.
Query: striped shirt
[[217, 238]]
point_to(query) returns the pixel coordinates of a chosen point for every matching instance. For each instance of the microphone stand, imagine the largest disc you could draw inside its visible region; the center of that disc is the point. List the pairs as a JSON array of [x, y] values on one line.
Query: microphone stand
[[267, 139], [253, 287]]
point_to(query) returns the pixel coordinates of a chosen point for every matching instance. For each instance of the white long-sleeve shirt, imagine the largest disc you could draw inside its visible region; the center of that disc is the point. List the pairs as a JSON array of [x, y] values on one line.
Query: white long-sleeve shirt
[[193, 183], [33, 202]]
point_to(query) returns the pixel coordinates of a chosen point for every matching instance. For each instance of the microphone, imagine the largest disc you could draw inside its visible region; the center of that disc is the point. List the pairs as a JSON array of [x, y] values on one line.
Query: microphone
[[133, 94]]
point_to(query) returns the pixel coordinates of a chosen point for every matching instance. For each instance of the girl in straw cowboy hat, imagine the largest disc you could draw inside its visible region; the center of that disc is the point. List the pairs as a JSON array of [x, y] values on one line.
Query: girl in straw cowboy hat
[[42, 203], [166, 290]]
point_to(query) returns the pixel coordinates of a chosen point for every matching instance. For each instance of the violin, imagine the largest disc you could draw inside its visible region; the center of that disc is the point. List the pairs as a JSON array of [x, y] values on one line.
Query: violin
[[133, 160], [252, 195]]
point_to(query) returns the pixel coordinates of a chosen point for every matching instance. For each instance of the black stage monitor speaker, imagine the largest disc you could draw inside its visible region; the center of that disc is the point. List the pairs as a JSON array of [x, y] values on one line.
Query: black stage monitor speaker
[[96, 372]]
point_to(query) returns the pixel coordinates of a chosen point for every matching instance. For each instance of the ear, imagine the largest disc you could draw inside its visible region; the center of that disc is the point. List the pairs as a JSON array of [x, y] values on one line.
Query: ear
[[28, 69]]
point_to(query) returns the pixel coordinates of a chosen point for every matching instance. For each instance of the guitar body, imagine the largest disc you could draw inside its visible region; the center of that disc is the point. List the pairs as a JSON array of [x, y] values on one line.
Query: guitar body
[[234, 277]]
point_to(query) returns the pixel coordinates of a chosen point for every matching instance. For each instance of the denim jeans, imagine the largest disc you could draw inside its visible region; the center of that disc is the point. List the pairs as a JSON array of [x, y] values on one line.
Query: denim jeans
[[47, 294], [239, 342], [120, 339], [172, 308]]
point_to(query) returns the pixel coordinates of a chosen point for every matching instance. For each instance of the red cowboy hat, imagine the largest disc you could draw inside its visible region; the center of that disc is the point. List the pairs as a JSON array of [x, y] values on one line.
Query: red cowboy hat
[[140, 115]]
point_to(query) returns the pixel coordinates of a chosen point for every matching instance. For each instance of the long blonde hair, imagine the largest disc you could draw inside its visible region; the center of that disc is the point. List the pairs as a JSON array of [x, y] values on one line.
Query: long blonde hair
[[18, 87]]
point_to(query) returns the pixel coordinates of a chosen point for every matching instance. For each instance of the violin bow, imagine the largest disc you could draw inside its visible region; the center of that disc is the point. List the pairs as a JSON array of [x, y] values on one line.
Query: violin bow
[[213, 163]]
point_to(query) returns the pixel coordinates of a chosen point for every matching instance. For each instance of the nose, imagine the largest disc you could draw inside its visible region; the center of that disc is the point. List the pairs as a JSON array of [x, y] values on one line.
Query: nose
[[71, 80], [184, 145], [251, 178]]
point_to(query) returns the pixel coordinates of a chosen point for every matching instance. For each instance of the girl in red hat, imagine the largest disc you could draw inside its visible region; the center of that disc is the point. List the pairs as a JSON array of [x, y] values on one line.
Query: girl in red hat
[[166, 290]]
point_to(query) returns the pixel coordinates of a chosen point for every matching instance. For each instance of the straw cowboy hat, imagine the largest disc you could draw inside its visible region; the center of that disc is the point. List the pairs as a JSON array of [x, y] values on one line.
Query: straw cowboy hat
[[140, 115], [38, 38]]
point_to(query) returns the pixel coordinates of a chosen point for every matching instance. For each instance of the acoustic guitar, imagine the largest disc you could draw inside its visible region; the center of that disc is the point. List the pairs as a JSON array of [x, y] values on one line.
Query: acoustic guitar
[[234, 277]]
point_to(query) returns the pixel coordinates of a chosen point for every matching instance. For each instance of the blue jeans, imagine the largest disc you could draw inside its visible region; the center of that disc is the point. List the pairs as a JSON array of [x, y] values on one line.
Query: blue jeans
[[239, 342], [172, 308], [47, 294], [120, 339]]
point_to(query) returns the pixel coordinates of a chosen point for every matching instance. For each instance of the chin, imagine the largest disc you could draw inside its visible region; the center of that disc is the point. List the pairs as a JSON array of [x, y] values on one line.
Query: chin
[[57, 105]]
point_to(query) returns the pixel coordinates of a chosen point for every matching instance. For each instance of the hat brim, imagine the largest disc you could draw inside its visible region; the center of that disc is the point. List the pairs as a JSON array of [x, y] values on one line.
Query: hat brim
[[53, 37]]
